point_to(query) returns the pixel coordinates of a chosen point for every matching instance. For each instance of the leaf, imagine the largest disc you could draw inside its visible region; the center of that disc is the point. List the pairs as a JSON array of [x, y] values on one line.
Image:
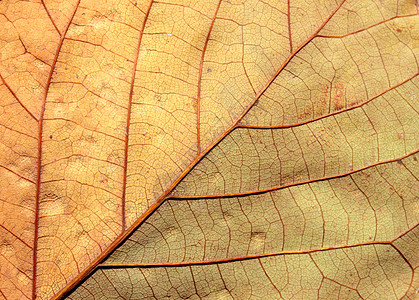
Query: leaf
[[209, 149]]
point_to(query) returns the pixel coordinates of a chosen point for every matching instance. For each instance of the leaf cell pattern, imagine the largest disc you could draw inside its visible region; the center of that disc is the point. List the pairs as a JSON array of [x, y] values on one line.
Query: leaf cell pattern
[[231, 149]]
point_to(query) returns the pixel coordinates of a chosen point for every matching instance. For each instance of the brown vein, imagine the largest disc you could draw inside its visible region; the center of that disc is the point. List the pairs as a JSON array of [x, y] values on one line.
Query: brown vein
[[360, 104], [17, 99], [40, 127], [131, 93], [198, 100], [256, 256], [18, 238], [17, 174], [49, 16], [365, 28], [292, 184], [289, 24]]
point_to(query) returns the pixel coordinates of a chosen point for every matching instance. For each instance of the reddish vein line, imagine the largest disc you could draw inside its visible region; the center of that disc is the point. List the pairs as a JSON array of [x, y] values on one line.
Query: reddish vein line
[[330, 114], [19, 132], [52, 21], [365, 28], [292, 184], [239, 258], [40, 128], [17, 99], [410, 266], [17, 174], [11, 232], [289, 25], [405, 232], [257, 256], [131, 93], [198, 100]]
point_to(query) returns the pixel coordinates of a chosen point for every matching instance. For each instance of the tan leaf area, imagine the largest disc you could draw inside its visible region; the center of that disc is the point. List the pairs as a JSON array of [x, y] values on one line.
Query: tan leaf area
[[218, 149]]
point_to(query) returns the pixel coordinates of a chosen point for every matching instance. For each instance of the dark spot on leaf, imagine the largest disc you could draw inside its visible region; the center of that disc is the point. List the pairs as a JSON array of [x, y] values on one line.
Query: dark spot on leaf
[[50, 136], [158, 97]]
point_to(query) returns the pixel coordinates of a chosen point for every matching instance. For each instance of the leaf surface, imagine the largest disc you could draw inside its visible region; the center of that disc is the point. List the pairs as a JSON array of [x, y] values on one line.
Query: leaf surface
[[209, 149]]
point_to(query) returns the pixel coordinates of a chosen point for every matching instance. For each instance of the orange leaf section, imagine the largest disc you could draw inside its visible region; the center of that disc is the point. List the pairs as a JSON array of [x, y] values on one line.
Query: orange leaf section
[[279, 136]]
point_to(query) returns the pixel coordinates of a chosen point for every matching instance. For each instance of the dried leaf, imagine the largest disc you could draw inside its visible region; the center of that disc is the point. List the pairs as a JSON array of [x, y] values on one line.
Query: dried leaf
[[209, 149]]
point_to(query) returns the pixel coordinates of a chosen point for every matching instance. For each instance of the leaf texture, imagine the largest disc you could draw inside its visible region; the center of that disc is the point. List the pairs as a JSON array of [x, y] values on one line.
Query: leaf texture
[[215, 149]]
